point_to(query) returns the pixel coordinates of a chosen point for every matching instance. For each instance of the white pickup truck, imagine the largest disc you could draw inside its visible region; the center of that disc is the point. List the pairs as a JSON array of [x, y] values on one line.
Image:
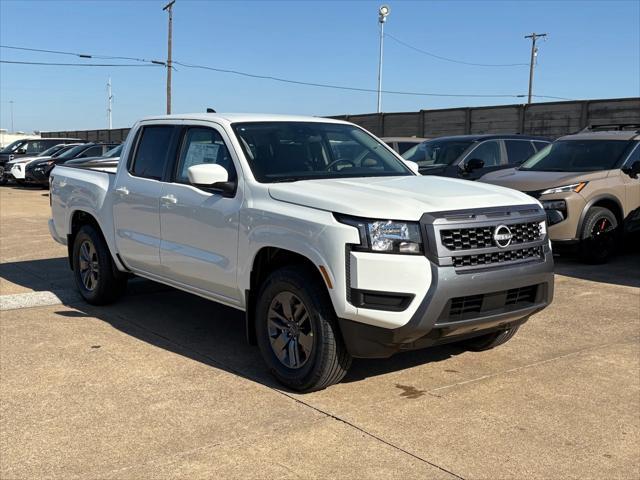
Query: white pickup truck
[[324, 236]]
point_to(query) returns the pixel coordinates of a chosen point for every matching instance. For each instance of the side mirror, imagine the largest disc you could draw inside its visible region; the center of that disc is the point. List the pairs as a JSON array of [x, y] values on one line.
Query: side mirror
[[413, 166], [21, 151], [634, 170], [210, 176], [473, 164]]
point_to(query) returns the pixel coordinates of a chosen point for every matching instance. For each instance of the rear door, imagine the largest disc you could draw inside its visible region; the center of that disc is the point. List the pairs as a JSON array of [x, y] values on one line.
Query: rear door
[[200, 226], [136, 203]]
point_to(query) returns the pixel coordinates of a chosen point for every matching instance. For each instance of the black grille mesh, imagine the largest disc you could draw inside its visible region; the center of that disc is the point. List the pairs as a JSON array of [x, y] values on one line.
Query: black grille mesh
[[462, 308], [482, 237], [497, 257]]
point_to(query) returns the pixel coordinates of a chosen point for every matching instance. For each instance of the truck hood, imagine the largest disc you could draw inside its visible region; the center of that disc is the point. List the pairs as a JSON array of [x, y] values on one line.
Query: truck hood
[[397, 198], [529, 181]]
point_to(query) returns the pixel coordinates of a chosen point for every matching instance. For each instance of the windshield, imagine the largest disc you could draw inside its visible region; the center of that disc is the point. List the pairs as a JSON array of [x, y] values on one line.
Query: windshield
[[72, 152], [437, 153], [114, 152], [12, 147], [66, 148], [577, 156], [290, 151], [50, 151]]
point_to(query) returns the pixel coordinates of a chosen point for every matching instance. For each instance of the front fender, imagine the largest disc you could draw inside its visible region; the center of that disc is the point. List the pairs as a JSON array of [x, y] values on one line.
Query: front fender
[[314, 234]]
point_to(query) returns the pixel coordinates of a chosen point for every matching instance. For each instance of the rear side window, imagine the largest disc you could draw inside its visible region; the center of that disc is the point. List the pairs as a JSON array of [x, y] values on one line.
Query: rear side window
[[518, 151], [92, 152], [151, 154]]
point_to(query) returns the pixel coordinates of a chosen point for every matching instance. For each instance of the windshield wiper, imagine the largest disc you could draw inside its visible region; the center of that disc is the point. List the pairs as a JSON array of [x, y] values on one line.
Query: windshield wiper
[[285, 180]]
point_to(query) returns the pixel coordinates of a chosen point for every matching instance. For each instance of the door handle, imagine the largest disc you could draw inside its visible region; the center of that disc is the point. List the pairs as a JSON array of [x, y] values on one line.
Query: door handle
[[169, 199], [122, 191]]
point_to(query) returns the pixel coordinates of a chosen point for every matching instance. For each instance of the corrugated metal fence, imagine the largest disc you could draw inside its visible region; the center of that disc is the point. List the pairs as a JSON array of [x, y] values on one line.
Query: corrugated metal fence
[[551, 119]]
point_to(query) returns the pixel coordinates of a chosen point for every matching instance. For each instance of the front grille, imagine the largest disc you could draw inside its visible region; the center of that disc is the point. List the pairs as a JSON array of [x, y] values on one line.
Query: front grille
[[497, 257], [522, 294], [482, 237], [473, 306]]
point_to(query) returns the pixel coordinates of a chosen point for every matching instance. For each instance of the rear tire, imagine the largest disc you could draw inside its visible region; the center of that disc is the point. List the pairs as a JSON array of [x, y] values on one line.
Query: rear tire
[[297, 331], [490, 340], [96, 277], [599, 235]]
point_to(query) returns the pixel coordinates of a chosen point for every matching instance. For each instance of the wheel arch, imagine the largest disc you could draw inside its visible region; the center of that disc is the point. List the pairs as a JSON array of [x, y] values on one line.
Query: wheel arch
[[609, 202], [77, 219], [266, 261]]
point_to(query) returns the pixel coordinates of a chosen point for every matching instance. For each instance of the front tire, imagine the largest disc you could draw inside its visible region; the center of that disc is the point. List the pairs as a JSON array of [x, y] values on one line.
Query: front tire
[[297, 331], [490, 340], [3, 177], [96, 277], [598, 236]]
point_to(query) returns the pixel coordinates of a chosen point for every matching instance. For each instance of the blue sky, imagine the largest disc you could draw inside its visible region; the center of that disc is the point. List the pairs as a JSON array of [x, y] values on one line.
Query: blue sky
[[593, 51]]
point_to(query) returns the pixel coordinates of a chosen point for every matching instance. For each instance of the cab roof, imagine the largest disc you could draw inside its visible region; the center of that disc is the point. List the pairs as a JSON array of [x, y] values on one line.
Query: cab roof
[[229, 118]]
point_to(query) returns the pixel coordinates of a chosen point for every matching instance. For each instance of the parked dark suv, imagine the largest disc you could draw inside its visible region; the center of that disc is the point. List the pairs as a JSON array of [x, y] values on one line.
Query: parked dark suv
[[27, 146], [38, 172], [472, 156]]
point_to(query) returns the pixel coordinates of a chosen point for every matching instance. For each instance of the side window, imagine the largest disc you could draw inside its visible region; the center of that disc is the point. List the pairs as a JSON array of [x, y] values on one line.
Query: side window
[[518, 151], [35, 147], [540, 145], [203, 145], [151, 153], [488, 152]]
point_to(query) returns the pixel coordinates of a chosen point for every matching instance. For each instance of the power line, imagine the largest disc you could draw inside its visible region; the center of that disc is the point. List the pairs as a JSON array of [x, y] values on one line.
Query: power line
[[341, 87], [79, 64], [446, 59], [84, 55], [152, 63]]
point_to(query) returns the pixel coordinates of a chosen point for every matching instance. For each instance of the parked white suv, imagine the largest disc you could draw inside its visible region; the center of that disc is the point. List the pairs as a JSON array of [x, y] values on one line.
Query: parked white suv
[[327, 239]]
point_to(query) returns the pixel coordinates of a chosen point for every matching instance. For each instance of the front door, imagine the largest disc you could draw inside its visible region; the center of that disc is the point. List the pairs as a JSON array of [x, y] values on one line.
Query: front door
[[136, 208], [490, 152], [200, 226]]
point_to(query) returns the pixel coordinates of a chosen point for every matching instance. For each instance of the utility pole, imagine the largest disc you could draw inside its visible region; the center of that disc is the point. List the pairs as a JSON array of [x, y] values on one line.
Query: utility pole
[[534, 54], [11, 105], [383, 12], [109, 103], [169, 8]]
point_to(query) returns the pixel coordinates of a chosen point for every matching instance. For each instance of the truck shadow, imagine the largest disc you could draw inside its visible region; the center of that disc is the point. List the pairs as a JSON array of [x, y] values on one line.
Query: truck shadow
[[185, 324], [214, 335]]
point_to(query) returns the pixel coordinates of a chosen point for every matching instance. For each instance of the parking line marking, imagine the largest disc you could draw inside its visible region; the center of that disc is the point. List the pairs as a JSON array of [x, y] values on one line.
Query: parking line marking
[[37, 299]]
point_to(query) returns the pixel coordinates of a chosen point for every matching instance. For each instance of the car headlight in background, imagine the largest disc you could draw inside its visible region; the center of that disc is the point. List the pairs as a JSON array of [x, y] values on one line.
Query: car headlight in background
[[387, 236], [574, 187], [556, 210]]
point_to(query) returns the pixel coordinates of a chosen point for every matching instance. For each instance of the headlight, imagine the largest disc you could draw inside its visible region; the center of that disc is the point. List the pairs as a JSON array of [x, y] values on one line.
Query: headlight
[[387, 236], [575, 187]]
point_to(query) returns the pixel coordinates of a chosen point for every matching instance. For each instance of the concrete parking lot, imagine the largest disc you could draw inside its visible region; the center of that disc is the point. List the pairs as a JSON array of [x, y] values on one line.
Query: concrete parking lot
[[163, 385]]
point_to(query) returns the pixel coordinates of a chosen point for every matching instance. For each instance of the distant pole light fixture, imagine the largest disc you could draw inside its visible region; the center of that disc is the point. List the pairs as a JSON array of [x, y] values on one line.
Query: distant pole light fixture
[[383, 12]]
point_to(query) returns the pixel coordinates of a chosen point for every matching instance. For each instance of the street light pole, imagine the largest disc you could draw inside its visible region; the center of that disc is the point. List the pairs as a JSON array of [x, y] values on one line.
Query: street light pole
[[169, 8], [109, 103], [383, 12], [534, 53], [11, 104]]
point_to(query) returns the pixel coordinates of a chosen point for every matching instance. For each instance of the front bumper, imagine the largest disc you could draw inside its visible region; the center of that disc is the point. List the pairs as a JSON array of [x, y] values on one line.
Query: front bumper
[[457, 301], [490, 294]]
